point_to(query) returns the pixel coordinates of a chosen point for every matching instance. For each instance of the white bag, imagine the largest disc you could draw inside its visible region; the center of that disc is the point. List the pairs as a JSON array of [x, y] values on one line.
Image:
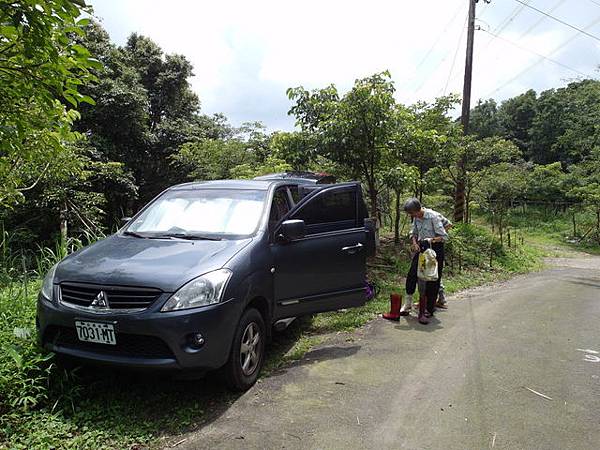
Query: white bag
[[427, 270]]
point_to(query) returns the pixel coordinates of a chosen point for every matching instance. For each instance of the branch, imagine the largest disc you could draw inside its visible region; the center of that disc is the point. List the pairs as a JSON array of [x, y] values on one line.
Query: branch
[[36, 181], [452, 176], [87, 223], [7, 48]]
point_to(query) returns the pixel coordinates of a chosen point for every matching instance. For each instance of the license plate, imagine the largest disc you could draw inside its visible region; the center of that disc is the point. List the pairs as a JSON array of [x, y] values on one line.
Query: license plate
[[99, 332]]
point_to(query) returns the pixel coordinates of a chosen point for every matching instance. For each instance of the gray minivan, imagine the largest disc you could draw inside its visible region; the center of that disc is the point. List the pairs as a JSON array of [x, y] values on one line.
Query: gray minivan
[[199, 276]]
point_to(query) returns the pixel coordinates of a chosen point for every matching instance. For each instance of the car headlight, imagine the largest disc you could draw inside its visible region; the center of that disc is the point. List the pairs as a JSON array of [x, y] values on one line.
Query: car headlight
[[48, 284], [202, 291]]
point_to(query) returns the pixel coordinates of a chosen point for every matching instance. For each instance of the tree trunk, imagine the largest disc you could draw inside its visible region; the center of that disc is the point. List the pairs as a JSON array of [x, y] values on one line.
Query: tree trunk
[[500, 229], [598, 225], [468, 206], [574, 224], [459, 200], [397, 220], [64, 228], [374, 210], [373, 200]]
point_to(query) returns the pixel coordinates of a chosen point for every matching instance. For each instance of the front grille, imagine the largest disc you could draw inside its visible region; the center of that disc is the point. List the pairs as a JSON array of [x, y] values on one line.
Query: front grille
[[132, 345], [118, 297]]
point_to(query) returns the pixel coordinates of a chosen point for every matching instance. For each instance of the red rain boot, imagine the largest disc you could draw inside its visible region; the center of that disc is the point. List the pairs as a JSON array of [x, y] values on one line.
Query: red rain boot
[[394, 314], [422, 309]]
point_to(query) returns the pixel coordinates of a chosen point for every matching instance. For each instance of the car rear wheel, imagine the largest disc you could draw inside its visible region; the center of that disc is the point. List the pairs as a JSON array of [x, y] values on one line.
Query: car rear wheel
[[247, 352]]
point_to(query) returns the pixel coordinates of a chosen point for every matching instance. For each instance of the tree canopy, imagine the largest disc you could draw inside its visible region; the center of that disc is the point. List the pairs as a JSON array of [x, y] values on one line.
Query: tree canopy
[[41, 70]]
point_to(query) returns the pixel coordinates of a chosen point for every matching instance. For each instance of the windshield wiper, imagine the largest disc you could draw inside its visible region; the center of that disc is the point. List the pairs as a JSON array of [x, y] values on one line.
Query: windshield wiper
[[134, 234], [190, 237], [140, 235]]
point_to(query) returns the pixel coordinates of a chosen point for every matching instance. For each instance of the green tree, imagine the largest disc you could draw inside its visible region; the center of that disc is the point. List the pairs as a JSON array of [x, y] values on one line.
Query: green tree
[[271, 164], [425, 135], [145, 111], [516, 117], [484, 121], [503, 184], [211, 159], [354, 130], [479, 157], [41, 69], [398, 178], [297, 148], [546, 185], [585, 181], [244, 153], [566, 126]]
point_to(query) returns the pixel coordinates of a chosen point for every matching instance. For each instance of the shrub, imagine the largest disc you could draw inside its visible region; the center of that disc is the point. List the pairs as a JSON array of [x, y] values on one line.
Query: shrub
[[24, 367]]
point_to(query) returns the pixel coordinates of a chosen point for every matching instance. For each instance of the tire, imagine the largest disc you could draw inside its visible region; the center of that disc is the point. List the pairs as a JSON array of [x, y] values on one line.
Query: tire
[[242, 369]]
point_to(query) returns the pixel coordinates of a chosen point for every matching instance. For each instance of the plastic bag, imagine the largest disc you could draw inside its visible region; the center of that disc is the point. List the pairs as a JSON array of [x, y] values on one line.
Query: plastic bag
[[427, 270]]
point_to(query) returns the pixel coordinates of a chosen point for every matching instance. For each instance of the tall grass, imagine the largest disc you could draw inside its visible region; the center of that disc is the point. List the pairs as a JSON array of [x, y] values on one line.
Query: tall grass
[[19, 263], [572, 228]]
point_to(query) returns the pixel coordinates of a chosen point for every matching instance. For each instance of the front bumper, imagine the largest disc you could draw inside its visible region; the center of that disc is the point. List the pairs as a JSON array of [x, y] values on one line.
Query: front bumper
[[146, 339]]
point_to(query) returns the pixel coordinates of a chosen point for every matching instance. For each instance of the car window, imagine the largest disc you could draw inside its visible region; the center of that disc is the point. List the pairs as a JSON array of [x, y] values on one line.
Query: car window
[[222, 212], [279, 207], [295, 192], [329, 211]]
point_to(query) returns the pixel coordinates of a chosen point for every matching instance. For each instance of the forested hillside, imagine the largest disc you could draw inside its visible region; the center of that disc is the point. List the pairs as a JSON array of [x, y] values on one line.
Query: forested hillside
[[94, 135]]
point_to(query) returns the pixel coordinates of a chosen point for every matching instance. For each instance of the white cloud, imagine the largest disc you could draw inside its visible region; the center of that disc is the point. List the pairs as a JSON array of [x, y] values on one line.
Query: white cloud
[[246, 53]]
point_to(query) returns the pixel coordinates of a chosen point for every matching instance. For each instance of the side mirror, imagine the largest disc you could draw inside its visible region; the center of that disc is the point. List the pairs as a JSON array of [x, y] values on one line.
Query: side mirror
[[291, 230]]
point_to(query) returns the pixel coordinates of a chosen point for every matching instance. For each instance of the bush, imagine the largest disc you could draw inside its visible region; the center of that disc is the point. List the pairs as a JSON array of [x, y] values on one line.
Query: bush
[[24, 367], [472, 246]]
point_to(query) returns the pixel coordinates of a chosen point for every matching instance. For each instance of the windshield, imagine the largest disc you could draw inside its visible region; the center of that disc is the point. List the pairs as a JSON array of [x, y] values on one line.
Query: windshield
[[202, 212]]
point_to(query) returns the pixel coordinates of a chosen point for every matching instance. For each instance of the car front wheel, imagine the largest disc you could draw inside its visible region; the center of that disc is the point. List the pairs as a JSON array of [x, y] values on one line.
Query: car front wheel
[[247, 352]]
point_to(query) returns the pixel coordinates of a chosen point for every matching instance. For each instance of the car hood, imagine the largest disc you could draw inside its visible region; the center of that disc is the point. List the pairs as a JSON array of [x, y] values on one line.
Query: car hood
[[166, 264]]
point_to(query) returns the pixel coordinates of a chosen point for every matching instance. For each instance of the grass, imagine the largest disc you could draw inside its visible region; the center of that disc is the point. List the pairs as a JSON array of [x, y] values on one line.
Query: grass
[[553, 232], [99, 408], [45, 406]]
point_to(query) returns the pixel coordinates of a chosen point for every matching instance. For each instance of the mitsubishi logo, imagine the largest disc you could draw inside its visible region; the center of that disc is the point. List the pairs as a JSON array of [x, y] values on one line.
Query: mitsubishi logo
[[101, 301]]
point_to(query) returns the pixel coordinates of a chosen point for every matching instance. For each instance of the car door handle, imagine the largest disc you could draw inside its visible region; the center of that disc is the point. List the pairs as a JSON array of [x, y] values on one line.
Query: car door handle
[[352, 249]]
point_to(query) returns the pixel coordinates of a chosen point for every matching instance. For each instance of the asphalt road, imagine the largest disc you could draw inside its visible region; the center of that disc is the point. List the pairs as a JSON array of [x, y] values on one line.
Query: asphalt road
[[511, 366]]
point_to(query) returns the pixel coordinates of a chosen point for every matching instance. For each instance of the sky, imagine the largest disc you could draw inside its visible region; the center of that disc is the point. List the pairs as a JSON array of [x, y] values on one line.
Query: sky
[[246, 54]]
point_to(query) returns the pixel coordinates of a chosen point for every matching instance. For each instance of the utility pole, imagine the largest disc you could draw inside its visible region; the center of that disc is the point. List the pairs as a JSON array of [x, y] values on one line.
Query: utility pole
[[459, 195]]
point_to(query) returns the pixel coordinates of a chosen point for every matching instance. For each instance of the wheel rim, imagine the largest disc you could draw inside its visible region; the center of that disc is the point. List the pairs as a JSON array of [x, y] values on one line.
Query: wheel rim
[[250, 349]]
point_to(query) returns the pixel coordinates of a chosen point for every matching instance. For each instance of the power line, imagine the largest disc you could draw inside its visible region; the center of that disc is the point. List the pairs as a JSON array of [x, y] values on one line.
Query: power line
[[502, 25], [424, 81], [541, 19], [540, 55], [460, 7], [527, 69], [499, 28], [426, 78], [512, 17], [455, 54], [560, 20]]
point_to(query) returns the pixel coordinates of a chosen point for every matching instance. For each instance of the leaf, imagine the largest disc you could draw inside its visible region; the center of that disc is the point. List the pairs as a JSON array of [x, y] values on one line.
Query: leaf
[[15, 355], [22, 333], [87, 99], [70, 99], [94, 63]]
